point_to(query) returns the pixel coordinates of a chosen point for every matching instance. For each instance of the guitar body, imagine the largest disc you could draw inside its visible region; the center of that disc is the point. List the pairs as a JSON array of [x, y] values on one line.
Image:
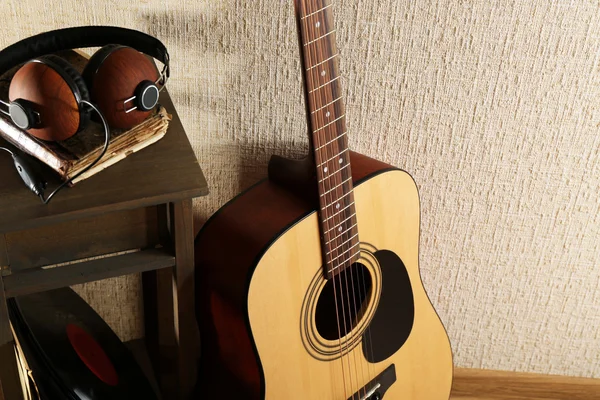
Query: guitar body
[[264, 311]]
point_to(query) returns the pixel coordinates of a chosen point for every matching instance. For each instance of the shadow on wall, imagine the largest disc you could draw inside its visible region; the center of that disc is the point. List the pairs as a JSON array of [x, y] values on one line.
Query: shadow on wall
[[231, 65], [249, 167], [203, 57], [242, 58], [209, 32]]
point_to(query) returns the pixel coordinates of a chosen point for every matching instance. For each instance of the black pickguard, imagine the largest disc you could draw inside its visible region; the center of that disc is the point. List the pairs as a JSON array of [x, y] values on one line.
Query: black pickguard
[[394, 318]]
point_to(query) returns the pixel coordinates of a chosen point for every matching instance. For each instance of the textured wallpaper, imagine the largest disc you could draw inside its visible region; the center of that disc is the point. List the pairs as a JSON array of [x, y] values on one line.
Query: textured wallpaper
[[493, 107]]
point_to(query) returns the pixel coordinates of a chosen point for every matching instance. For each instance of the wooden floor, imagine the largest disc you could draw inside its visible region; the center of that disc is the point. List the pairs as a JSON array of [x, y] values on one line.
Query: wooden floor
[[474, 384]]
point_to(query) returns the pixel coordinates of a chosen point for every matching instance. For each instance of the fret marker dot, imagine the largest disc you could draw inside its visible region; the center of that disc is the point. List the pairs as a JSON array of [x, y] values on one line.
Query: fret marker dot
[[340, 229], [337, 206], [323, 73], [325, 169], [328, 114], [341, 160], [318, 24]]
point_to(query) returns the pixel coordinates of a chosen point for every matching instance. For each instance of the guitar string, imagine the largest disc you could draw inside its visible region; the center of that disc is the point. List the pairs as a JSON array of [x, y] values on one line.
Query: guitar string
[[352, 276], [337, 243], [337, 175], [327, 174], [368, 337], [308, 58], [327, 201], [357, 306], [360, 277]]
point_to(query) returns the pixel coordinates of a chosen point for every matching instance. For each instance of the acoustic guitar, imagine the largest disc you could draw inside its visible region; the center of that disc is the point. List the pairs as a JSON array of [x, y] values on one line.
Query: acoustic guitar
[[308, 283]]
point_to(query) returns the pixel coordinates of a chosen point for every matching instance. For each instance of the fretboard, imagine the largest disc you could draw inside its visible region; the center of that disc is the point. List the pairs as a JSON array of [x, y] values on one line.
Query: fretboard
[[327, 124]]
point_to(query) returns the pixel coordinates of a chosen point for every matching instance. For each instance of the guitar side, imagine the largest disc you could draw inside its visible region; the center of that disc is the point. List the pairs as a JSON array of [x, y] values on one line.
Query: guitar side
[[257, 259]]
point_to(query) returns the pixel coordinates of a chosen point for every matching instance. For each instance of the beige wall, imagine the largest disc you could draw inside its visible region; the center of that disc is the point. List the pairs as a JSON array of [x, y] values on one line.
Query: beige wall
[[494, 107]]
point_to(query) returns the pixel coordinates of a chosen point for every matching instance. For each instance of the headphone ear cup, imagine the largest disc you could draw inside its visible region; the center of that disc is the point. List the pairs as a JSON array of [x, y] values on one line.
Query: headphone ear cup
[[53, 89], [77, 80], [96, 61], [114, 75], [71, 72]]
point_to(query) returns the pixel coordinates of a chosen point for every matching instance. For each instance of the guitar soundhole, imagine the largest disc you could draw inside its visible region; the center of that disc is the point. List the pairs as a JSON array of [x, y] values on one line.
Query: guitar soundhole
[[342, 302]]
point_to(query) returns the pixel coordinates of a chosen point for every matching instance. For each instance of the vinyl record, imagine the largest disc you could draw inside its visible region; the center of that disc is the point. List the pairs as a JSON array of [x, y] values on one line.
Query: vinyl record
[[82, 358], [44, 377]]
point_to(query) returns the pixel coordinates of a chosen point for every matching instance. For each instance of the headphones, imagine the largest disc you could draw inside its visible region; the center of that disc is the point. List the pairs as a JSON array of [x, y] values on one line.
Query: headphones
[[46, 93], [50, 100]]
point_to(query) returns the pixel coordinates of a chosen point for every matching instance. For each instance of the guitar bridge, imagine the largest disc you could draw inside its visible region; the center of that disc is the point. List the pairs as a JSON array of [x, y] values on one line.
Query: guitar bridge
[[375, 390]]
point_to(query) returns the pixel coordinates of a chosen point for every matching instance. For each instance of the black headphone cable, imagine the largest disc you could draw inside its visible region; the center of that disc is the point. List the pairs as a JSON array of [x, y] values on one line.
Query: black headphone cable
[[36, 184]]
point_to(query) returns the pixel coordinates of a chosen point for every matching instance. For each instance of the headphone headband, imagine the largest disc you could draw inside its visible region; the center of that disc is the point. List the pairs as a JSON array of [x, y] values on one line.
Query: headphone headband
[[81, 37]]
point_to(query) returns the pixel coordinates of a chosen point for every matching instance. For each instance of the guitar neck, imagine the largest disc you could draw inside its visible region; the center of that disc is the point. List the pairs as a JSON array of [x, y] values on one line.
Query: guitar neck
[[327, 125]]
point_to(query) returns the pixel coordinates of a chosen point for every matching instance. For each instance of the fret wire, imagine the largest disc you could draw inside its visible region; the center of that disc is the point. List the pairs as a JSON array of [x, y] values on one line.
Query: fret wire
[[339, 237], [321, 156], [322, 162], [306, 5], [349, 208], [337, 226], [316, 12], [326, 94], [341, 197], [325, 206], [337, 155], [328, 46], [331, 141], [323, 62], [341, 254], [339, 264], [330, 92], [334, 172], [327, 105], [322, 86], [320, 37], [330, 123], [346, 231], [321, 76], [315, 25], [337, 186], [347, 259], [334, 249], [341, 222], [313, 53], [320, 5], [342, 210], [348, 181]]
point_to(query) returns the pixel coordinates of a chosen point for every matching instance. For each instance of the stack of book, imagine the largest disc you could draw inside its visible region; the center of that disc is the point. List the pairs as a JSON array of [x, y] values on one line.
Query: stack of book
[[69, 157]]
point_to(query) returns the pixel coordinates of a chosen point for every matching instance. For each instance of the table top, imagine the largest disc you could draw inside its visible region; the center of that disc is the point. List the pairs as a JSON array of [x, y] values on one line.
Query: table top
[[163, 172]]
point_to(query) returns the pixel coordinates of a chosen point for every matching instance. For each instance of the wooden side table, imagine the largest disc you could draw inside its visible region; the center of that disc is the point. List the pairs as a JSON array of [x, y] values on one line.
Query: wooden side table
[[140, 209]]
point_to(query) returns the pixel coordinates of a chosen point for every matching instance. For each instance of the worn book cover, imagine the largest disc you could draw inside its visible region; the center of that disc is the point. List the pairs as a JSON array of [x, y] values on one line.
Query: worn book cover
[[71, 156]]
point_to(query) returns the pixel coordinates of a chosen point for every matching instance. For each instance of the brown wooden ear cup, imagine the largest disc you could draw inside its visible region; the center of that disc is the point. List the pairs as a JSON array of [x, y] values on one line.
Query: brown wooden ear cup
[[55, 89], [113, 75], [77, 80], [96, 61]]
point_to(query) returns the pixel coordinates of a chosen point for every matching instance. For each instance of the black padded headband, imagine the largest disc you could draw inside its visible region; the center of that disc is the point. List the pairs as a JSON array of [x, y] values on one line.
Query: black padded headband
[[81, 37]]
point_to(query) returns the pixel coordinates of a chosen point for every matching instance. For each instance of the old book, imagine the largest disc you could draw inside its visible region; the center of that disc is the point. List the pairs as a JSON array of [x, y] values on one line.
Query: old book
[[69, 157]]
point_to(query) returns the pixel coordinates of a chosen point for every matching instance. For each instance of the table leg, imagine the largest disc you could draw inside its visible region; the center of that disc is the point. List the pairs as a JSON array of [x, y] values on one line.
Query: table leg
[[172, 335], [184, 300], [160, 329], [159, 316]]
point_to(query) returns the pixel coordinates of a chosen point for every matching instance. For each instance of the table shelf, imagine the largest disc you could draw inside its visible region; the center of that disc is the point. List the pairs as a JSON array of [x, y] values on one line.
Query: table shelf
[[40, 279]]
